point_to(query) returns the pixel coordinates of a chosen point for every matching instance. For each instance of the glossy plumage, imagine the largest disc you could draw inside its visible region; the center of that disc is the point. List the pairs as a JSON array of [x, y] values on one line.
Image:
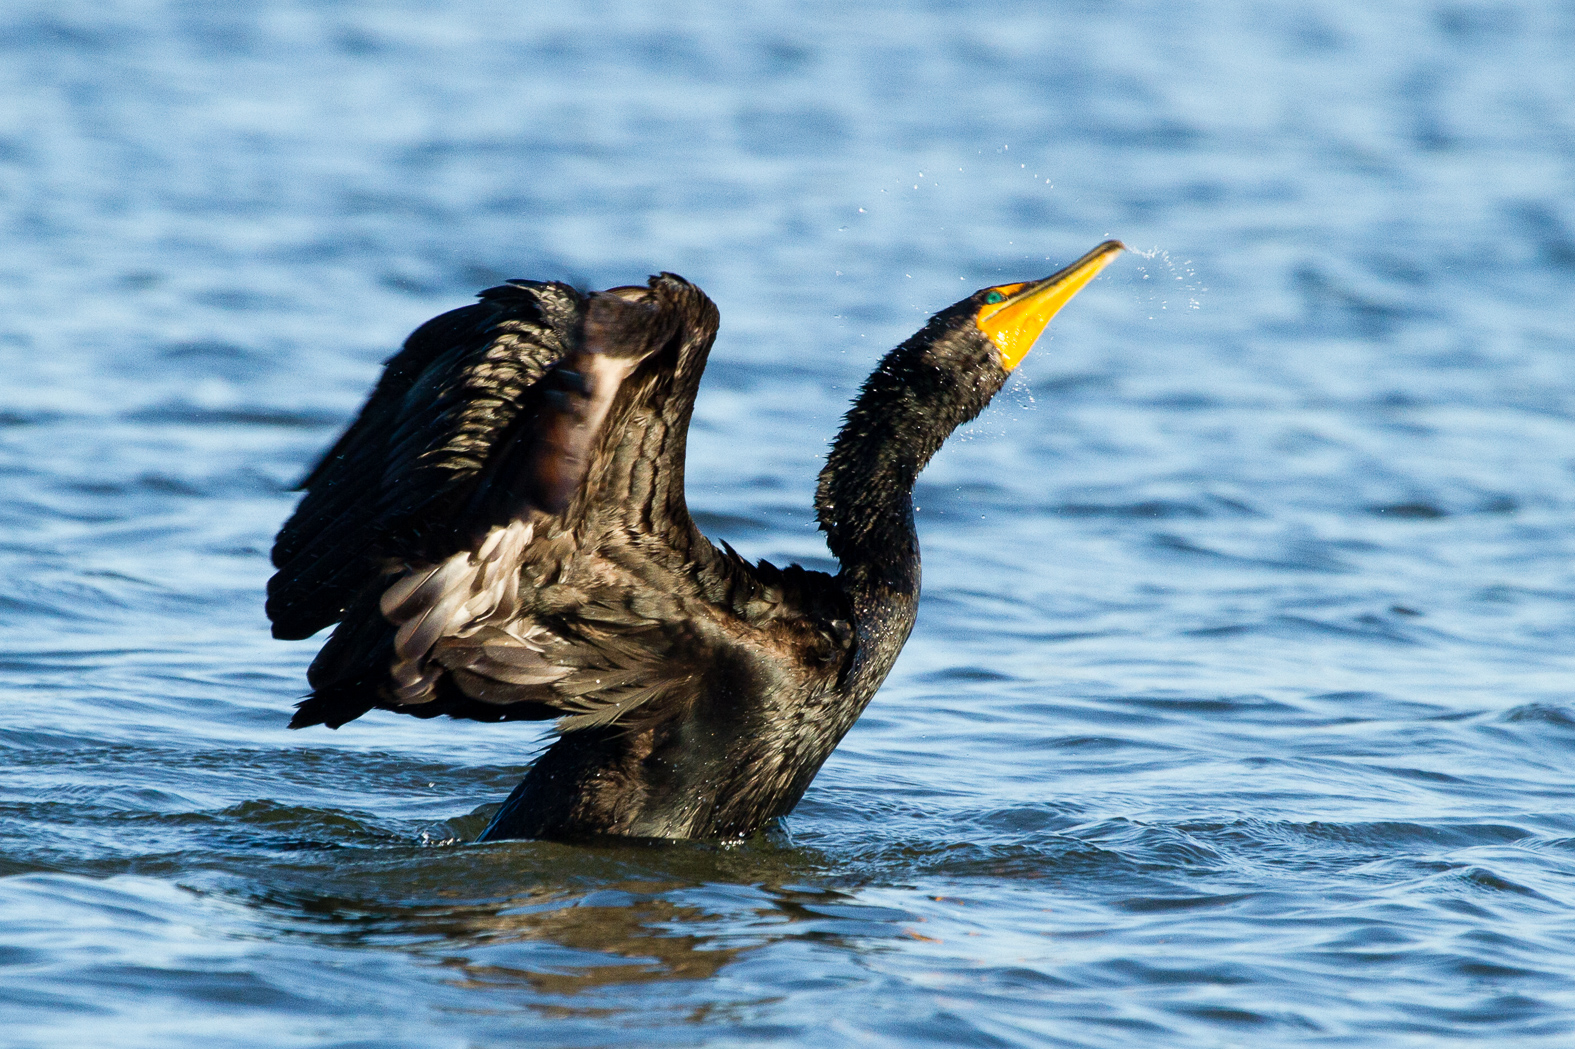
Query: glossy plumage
[[502, 534]]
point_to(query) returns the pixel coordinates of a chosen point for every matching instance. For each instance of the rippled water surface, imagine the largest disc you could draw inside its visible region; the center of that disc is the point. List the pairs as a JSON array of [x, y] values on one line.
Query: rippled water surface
[[1239, 712]]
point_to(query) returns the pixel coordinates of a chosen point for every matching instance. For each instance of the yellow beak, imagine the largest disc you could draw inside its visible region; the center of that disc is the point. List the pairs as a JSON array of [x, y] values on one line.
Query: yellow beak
[[1018, 318]]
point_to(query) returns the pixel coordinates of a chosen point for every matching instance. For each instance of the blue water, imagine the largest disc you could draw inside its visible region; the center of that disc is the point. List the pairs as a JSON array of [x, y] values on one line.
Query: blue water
[[1240, 708]]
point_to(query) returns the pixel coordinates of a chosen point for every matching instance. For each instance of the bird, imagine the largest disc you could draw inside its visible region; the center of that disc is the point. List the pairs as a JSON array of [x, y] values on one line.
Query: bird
[[502, 534]]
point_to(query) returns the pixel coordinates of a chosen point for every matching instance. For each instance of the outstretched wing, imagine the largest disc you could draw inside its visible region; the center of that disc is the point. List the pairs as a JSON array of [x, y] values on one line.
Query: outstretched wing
[[503, 532], [398, 481]]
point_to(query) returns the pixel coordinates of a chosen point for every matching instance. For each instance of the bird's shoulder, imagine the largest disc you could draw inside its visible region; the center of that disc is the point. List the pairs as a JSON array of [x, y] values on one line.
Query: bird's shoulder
[[802, 614]]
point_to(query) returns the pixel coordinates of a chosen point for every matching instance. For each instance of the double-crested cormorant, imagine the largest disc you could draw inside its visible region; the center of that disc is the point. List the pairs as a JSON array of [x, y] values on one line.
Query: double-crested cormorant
[[502, 534]]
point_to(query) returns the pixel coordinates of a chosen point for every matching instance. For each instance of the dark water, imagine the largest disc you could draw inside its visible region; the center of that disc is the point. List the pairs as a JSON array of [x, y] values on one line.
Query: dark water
[[1240, 708]]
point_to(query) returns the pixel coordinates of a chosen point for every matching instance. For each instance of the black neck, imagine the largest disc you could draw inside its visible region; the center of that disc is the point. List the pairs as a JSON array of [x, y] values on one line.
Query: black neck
[[865, 497]]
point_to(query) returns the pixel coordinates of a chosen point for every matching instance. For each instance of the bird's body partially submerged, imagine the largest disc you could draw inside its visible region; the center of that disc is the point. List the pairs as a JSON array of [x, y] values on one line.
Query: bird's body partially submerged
[[502, 535]]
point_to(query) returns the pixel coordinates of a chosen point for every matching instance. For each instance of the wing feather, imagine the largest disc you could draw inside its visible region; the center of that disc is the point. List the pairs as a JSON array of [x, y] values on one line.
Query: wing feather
[[391, 485], [446, 529]]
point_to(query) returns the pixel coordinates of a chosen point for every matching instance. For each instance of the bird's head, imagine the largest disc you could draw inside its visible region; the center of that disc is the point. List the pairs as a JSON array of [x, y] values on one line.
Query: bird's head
[[1012, 316], [987, 335], [948, 371]]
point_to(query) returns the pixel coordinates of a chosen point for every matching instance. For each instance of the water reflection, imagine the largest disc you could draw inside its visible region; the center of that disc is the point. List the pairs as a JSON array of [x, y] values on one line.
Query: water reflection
[[565, 921], [640, 931]]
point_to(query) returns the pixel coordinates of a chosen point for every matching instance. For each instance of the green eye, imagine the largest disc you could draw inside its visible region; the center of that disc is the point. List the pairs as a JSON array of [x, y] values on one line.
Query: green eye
[[993, 298]]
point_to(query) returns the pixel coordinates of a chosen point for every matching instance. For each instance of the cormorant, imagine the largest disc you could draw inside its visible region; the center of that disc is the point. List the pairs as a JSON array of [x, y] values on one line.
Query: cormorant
[[502, 534]]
